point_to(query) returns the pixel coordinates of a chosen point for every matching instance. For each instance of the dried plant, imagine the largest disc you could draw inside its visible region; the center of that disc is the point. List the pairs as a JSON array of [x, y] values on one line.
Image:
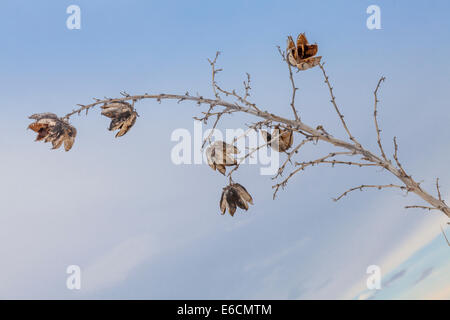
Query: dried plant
[[52, 129], [234, 195], [300, 56], [220, 154], [284, 140], [122, 114]]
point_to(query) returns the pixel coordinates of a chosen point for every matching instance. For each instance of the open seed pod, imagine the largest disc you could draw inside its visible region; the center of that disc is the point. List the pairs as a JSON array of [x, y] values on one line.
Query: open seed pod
[[234, 195], [52, 129], [220, 154], [122, 114], [301, 55], [280, 139]]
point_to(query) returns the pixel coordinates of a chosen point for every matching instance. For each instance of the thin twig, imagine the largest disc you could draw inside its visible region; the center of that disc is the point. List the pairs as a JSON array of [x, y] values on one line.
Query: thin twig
[[317, 161], [438, 189], [214, 72], [251, 152], [233, 93], [421, 207], [350, 163], [396, 158], [290, 155], [333, 101], [294, 90], [446, 239], [291, 78], [364, 186], [302, 166], [375, 113]]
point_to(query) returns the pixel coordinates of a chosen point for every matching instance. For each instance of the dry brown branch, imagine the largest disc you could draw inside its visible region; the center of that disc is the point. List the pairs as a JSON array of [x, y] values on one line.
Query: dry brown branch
[[421, 207], [214, 72], [365, 186], [294, 90], [438, 189], [291, 78], [247, 87], [446, 239], [290, 155], [249, 154], [350, 163], [209, 114], [410, 184], [396, 158], [333, 101], [375, 113], [302, 166], [241, 104], [321, 160], [233, 93]]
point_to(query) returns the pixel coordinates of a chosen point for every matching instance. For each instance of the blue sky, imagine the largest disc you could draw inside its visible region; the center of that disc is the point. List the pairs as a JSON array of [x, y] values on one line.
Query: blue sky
[[141, 227]]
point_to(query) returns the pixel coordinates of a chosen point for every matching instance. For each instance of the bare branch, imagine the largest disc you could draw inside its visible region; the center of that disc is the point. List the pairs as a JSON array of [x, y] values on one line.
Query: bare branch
[[396, 158], [294, 90], [240, 103], [375, 112], [350, 163], [364, 186], [446, 239], [320, 160], [233, 93], [291, 77], [421, 207], [250, 153], [333, 101], [214, 72], [438, 189], [208, 138], [302, 166], [247, 87], [291, 154]]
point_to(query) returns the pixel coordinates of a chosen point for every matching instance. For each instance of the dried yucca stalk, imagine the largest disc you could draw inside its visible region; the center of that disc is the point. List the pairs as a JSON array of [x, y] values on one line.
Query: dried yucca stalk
[[300, 56]]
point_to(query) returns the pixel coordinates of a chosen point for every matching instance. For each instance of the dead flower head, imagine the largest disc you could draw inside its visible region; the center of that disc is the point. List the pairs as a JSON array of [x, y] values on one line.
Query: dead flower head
[[220, 154], [122, 114], [302, 54], [52, 129], [280, 140], [234, 195]]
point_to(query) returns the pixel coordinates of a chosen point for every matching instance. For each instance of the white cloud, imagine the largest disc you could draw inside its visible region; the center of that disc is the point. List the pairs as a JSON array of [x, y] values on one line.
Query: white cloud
[[416, 240], [276, 257], [114, 266]]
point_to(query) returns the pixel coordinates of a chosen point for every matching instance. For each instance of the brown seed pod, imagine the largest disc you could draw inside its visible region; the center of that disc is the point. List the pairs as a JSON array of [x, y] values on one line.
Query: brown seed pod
[[220, 154], [122, 115], [234, 195], [52, 129], [302, 54], [280, 140]]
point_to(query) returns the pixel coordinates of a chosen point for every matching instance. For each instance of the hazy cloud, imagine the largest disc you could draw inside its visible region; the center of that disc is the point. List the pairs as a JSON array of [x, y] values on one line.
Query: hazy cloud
[[424, 275], [114, 266], [394, 277]]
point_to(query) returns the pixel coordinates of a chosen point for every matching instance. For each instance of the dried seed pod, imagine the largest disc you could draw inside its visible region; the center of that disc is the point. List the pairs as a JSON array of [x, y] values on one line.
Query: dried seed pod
[[122, 115], [220, 154], [302, 54], [52, 129], [280, 140], [234, 195]]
